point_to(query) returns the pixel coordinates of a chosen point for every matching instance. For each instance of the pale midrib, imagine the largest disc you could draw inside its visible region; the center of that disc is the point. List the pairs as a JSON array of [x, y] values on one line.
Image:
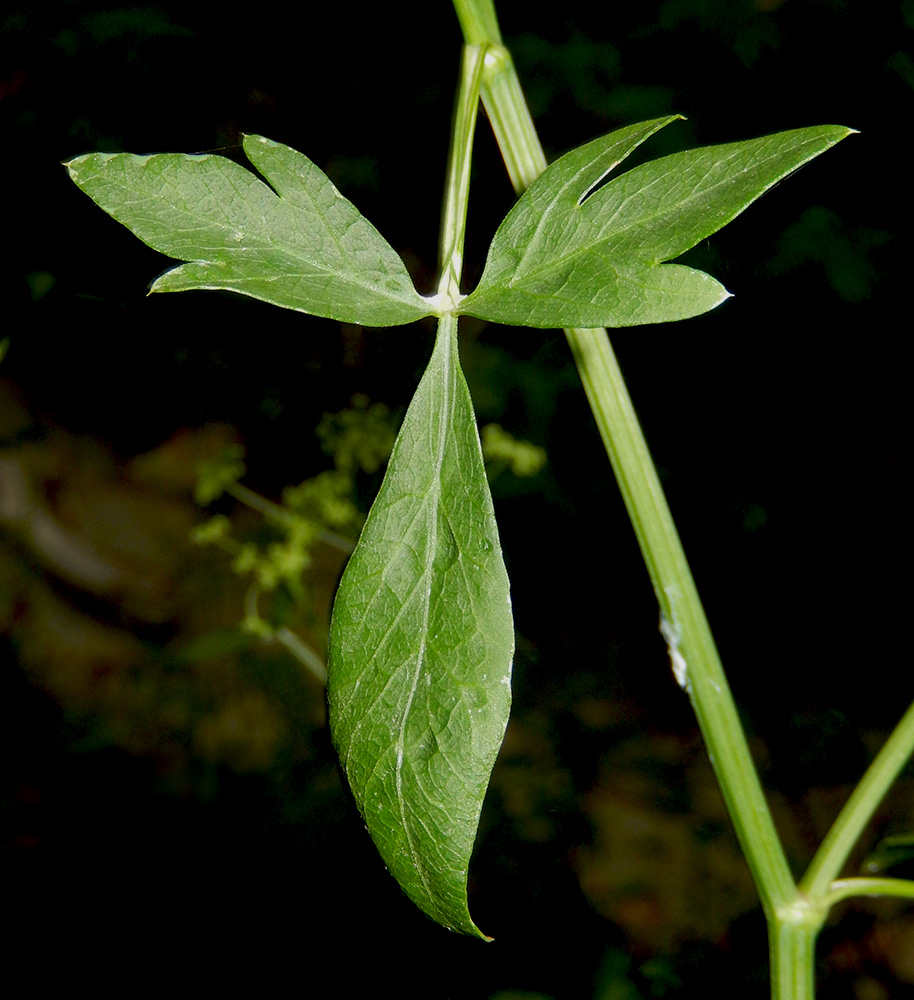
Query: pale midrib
[[445, 331]]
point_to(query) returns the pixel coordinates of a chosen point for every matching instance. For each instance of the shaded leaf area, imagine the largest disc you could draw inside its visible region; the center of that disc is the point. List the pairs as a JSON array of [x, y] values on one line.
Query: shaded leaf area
[[575, 253], [421, 645], [298, 244]]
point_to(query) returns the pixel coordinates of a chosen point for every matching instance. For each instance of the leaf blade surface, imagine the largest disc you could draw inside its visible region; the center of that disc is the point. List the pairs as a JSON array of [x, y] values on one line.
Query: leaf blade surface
[[421, 645], [298, 244], [573, 254]]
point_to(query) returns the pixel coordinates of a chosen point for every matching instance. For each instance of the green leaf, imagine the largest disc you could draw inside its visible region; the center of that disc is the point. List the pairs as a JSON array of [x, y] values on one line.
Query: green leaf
[[298, 244], [421, 643], [574, 254]]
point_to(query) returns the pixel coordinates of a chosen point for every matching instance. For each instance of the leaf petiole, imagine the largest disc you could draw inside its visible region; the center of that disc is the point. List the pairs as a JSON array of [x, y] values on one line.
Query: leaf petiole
[[457, 189]]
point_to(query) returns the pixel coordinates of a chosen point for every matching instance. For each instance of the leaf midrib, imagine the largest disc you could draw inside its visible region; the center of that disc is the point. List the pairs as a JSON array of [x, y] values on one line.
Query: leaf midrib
[[445, 415]]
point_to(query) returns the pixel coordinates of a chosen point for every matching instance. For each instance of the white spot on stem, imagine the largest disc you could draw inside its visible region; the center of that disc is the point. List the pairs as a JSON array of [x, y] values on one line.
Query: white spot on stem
[[670, 632]]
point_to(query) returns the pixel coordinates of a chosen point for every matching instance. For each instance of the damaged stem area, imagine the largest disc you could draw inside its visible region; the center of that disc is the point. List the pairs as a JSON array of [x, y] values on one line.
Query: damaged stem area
[[670, 632]]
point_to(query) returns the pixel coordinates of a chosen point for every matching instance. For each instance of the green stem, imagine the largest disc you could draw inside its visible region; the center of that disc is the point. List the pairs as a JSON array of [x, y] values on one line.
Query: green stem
[[684, 625], [859, 809], [792, 952], [844, 888], [453, 225], [478, 22], [514, 130]]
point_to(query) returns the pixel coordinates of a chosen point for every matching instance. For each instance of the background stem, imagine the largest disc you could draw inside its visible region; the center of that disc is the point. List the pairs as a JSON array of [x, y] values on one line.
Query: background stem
[[859, 809]]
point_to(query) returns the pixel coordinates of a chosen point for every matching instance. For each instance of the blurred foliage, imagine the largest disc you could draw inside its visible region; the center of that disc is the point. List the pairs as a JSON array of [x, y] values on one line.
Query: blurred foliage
[[851, 257], [321, 510], [891, 856], [133, 628], [503, 451]]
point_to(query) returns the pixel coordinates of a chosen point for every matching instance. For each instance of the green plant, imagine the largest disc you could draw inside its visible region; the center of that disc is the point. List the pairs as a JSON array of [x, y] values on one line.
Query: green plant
[[421, 637]]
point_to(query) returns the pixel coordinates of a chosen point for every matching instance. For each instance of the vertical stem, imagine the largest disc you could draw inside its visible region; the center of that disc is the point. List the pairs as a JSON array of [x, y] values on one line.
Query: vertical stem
[[456, 196], [503, 98], [792, 954], [478, 22]]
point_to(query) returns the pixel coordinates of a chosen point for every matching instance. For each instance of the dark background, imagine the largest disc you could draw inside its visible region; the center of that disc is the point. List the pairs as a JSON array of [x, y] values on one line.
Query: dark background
[[779, 424]]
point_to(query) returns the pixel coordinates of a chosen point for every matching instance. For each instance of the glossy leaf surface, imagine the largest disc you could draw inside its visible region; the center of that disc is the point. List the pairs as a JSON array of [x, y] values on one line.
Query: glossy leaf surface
[[295, 242], [574, 254], [421, 644]]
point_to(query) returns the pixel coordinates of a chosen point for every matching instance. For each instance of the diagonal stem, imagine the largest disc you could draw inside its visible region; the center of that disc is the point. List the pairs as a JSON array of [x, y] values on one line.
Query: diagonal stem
[[818, 881], [684, 625], [683, 621]]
